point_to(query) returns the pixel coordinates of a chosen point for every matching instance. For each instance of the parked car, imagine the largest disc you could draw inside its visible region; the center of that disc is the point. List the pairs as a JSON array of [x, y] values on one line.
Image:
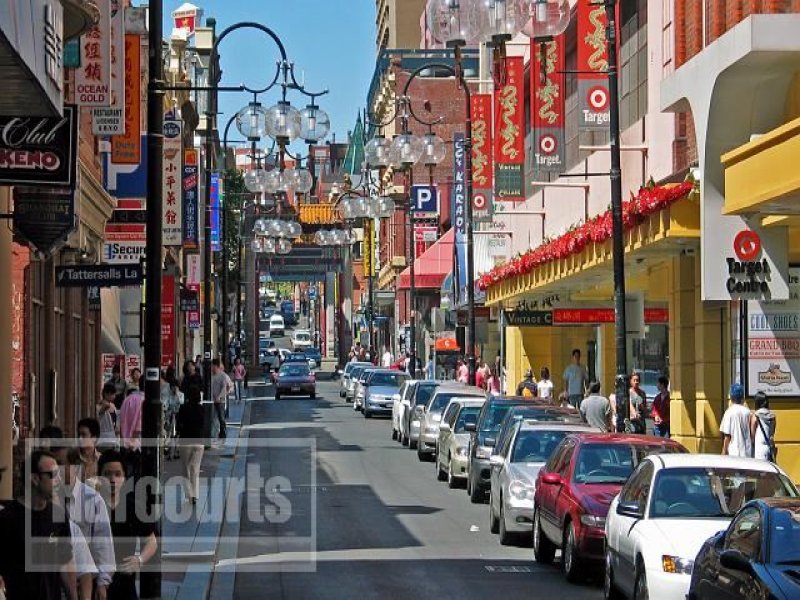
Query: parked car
[[757, 556], [344, 382], [287, 312], [352, 382], [295, 379], [358, 393], [400, 402], [409, 428], [514, 465], [668, 508], [301, 339], [451, 447], [314, 357], [574, 490], [276, 326], [432, 414], [482, 441], [268, 355], [379, 390], [534, 410]]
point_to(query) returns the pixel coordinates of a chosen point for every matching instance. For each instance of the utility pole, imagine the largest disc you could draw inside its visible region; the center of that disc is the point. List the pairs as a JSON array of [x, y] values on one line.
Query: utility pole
[[151, 411], [211, 120]]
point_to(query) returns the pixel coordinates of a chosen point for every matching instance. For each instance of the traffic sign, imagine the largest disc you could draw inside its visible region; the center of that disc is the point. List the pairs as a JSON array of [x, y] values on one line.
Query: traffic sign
[[424, 199], [99, 275]]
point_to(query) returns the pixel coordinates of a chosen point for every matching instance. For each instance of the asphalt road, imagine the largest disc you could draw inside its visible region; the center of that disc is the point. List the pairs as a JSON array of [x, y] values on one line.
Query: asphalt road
[[364, 518]]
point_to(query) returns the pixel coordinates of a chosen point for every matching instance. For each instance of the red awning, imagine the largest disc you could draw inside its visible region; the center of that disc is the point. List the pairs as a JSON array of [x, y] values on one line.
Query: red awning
[[446, 345], [432, 266]]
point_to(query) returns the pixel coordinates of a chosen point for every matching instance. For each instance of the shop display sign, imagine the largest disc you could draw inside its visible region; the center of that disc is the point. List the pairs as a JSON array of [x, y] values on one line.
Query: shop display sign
[[773, 343], [93, 78], [172, 185], [126, 149], [216, 192], [44, 217], [748, 272]]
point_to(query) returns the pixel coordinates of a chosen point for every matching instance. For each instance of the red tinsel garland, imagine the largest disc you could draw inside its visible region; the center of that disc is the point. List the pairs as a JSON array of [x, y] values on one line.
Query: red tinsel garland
[[596, 230]]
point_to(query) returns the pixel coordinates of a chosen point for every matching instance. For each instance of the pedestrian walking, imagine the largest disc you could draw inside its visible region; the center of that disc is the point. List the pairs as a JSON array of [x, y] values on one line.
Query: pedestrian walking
[[239, 373], [638, 404], [88, 437], [576, 379], [481, 375], [430, 368], [107, 417], [192, 382], [387, 358], [462, 372], [493, 383], [660, 412], [170, 403], [35, 530], [120, 385], [135, 382], [544, 387], [130, 430], [527, 388], [221, 386], [596, 408], [129, 527], [762, 429], [191, 434], [735, 425]]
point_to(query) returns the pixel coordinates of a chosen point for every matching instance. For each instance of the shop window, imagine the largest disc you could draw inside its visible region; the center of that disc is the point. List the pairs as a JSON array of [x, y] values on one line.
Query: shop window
[[633, 62]]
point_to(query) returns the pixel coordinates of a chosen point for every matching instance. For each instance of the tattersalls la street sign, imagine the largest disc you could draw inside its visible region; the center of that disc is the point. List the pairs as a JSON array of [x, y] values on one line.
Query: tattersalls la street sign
[[99, 275]]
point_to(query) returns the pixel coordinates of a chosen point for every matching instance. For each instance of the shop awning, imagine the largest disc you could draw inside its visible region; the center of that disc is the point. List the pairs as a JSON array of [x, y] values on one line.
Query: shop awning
[[447, 344], [432, 266]]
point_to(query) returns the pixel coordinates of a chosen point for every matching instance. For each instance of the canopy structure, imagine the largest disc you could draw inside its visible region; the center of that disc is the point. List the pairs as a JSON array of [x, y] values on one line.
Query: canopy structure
[[432, 266]]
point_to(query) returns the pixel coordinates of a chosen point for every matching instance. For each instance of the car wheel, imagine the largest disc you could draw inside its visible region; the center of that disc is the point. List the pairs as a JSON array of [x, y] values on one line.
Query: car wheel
[[610, 591], [313, 395], [440, 474], [476, 494], [394, 434], [413, 445], [494, 522], [570, 561], [420, 454], [543, 548], [367, 414], [404, 440], [506, 537], [277, 396], [640, 591], [452, 482]]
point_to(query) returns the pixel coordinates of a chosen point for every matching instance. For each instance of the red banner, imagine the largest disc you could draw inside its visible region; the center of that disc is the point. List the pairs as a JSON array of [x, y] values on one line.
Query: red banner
[[168, 334], [547, 97], [592, 316], [593, 97], [126, 149], [482, 156], [509, 133]]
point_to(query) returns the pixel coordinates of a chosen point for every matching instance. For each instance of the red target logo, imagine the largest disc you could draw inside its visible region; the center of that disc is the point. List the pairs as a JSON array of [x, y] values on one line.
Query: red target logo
[[597, 98], [548, 144], [747, 245], [479, 202]]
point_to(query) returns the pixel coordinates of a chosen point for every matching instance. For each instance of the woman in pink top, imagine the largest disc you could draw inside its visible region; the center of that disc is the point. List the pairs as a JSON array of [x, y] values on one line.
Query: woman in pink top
[[493, 383], [239, 373]]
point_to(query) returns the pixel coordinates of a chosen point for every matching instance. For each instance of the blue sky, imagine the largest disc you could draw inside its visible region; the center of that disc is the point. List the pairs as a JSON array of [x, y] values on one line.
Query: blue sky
[[331, 42]]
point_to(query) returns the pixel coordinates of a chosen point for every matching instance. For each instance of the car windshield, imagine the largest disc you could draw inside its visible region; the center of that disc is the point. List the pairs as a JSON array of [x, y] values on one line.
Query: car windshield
[[493, 418], [294, 370], [356, 372], [302, 337], [535, 445], [362, 377], [783, 535], [439, 401], [712, 492], [388, 379], [612, 463], [468, 413], [423, 394]]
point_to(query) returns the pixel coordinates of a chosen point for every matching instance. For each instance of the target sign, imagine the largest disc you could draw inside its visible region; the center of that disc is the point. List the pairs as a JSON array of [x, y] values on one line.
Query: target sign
[[548, 144], [747, 245], [598, 98], [480, 202]]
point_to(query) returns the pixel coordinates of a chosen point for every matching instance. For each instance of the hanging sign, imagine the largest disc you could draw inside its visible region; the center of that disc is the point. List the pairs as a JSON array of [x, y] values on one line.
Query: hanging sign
[[482, 158], [369, 243], [509, 133], [547, 93], [216, 192], [44, 217], [191, 235], [126, 149], [193, 284], [172, 185], [458, 213], [168, 321], [111, 120], [593, 95], [93, 78]]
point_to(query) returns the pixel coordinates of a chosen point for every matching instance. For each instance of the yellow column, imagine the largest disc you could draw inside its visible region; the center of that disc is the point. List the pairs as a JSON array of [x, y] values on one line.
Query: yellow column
[[5, 346], [682, 306]]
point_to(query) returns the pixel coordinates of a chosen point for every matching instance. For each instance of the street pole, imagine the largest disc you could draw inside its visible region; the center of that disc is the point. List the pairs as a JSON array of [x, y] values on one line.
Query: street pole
[[211, 119], [618, 247], [370, 277], [239, 285], [412, 347], [151, 411], [223, 214]]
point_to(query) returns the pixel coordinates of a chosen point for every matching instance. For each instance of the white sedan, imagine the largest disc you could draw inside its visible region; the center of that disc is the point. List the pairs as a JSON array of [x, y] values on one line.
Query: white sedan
[[400, 403], [669, 506]]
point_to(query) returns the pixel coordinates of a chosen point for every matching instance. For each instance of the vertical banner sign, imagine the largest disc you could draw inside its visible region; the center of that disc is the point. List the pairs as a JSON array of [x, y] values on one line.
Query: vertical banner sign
[[593, 98], [193, 283], [172, 211], [93, 78], [509, 133], [167, 321], [482, 158], [548, 105], [216, 192], [369, 243], [111, 120], [459, 213], [126, 149], [190, 230]]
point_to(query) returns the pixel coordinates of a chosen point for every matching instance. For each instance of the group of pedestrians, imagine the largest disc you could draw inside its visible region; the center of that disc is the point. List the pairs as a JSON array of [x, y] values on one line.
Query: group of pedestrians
[[745, 432]]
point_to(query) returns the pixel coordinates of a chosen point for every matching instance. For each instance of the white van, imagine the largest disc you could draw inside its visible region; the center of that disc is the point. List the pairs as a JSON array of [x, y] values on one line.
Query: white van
[[276, 326]]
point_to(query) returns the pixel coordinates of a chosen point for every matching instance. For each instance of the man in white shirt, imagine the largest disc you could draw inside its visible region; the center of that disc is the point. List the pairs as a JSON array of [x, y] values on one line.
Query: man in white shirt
[[735, 426], [576, 379], [386, 360]]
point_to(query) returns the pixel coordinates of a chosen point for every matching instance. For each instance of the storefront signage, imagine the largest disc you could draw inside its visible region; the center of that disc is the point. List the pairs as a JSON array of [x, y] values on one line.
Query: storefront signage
[[593, 93], [190, 301], [93, 78], [595, 316], [216, 192], [124, 242], [509, 133], [748, 273], [369, 243], [110, 120], [168, 321], [529, 318], [191, 236], [458, 212], [172, 185], [424, 237], [44, 217], [99, 275], [773, 343], [547, 93], [482, 158], [126, 149], [40, 151], [186, 17], [193, 284]]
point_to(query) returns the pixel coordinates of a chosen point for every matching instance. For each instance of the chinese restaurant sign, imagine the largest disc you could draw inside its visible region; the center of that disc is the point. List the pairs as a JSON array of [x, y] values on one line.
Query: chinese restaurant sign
[[168, 313], [509, 133], [126, 149], [482, 158], [93, 77], [172, 186], [110, 120], [548, 105], [593, 96], [190, 205]]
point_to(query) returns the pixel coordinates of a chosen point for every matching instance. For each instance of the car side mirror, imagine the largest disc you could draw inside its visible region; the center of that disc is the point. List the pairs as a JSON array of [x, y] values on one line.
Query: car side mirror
[[496, 460], [489, 442], [470, 426], [551, 479], [736, 561], [444, 427], [629, 509]]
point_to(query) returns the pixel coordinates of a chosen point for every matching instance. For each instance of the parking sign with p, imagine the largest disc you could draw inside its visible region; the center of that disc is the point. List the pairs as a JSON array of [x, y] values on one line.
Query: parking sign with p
[[424, 200]]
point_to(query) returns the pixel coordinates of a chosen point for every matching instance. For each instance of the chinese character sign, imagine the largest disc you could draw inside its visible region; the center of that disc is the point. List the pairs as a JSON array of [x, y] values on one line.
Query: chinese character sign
[[111, 120], [172, 185], [193, 277], [593, 98], [482, 158], [168, 321], [458, 211], [547, 93], [126, 149], [509, 133], [93, 77], [216, 192], [190, 204], [369, 242]]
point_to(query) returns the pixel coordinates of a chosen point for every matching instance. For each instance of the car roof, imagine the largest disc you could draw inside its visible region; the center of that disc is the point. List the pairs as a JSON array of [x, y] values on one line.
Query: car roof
[[471, 401], [469, 390], [626, 438], [675, 461], [777, 502], [531, 424]]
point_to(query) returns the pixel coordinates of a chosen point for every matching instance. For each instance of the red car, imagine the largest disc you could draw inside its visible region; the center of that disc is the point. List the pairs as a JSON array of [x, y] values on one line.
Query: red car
[[574, 490]]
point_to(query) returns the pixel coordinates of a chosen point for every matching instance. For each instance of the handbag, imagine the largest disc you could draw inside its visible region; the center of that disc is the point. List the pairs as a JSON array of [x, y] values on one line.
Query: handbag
[[773, 449]]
